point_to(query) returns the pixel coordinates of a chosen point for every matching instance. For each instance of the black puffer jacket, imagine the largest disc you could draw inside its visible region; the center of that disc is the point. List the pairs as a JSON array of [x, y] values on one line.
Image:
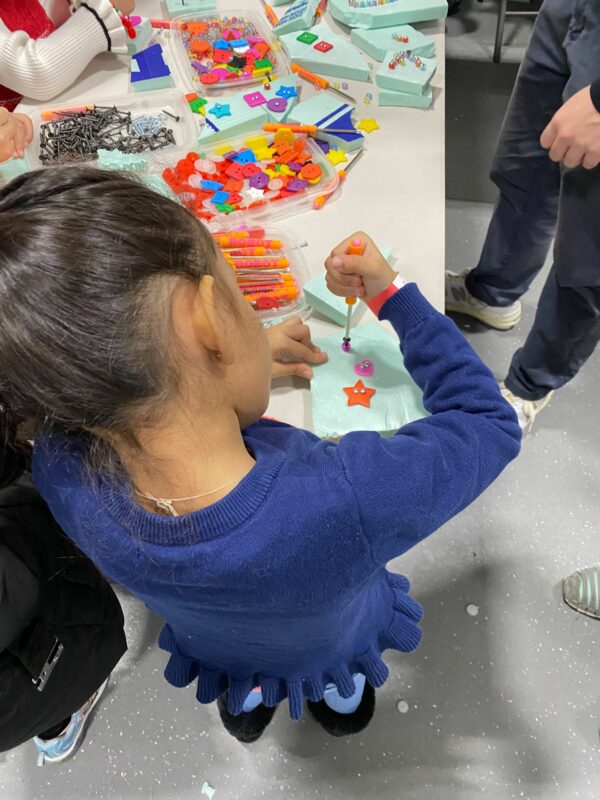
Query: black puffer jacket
[[51, 597]]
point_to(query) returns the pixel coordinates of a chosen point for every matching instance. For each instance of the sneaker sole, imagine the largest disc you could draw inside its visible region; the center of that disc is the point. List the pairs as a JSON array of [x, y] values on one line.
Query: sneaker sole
[[81, 731], [491, 320], [581, 610]]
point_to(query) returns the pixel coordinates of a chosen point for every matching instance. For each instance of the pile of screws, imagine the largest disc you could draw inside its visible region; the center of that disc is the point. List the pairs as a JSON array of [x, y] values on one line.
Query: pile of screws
[[78, 135]]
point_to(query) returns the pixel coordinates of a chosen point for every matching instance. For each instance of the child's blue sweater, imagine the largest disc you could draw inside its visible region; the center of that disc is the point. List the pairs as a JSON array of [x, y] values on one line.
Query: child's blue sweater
[[282, 583]]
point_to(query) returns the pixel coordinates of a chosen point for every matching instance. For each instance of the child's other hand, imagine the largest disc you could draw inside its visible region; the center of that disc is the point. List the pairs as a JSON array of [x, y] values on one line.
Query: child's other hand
[[126, 7], [16, 131], [361, 276], [291, 339]]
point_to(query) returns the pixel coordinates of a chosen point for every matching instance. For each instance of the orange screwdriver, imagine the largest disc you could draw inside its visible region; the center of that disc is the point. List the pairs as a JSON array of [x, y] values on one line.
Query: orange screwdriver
[[356, 248], [317, 80]]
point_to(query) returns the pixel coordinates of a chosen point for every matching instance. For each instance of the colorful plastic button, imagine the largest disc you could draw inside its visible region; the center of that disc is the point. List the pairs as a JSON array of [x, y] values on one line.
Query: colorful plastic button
[[220, 110], [255, 99], [259, 181], [250, 170], [212, 185], [323, 47], [365, 368], [359, 394], [286, 92], [297, 185], [219, 198], [277, 104], [307, 37], [245, 157]]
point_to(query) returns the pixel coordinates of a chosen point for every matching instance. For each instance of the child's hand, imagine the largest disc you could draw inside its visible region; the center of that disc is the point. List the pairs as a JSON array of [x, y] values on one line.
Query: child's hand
[[291, 339], [361, 276], [125, 7], [16, 131]]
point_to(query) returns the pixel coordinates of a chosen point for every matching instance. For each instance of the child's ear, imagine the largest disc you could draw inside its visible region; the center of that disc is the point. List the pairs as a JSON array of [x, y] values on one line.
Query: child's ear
[[208, 324]]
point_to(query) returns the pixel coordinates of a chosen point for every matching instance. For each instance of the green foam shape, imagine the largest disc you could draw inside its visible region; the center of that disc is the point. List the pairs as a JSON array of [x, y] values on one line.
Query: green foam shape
[[323, 105], [153, 84], [330, 305], [376, 43], [388, 14], [128, 162], [389, 98], [245, 119], [297, 17], [408, 79], [143, 34], [398, 400], [342, 61], [12, 169], [176, 7]]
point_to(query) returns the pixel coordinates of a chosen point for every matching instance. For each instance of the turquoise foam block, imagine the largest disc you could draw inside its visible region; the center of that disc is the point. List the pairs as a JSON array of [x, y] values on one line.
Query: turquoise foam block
[[342, 61], [153, 84], [408, 78], [330, 305], [376, 43], [398, 400], [298, 17], [143, 34], [388, 14], [242, 118], [12, 169], [279, 2], [389, 98], [114, 159], [326, 110], [176, 7]]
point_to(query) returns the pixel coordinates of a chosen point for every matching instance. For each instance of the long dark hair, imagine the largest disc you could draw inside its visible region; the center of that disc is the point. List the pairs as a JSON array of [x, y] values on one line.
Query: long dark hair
[[88, 261]]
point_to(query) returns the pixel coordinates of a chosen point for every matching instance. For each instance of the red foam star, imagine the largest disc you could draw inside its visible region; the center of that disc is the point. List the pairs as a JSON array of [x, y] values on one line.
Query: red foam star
[[359, 394]]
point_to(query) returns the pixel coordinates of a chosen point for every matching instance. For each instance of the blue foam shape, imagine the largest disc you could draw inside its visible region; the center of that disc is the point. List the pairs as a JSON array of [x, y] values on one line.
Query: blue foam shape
[[237, 43], [212, 186], [219, 197], [150, 64], [221, 44]]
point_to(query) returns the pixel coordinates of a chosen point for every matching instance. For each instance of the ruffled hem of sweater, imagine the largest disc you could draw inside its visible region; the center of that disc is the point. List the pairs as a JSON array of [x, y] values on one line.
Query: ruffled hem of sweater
[[402, 634]]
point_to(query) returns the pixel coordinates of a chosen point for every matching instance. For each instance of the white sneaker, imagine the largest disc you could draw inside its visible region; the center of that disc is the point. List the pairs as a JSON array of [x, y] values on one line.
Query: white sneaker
[[526, 410], [461, 301]]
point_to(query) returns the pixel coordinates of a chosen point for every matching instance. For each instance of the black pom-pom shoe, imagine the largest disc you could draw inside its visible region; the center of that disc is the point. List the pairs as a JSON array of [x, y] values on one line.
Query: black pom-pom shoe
[[345, 724], [248, 726]]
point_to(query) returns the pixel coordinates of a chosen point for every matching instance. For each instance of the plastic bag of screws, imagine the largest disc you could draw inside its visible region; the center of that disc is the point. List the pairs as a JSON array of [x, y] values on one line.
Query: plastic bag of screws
[[77, 135]]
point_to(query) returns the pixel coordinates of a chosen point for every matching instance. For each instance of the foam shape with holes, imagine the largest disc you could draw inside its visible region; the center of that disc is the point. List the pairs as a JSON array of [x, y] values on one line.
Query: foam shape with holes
[[342, 61], [244, 119], [398, 400], [328, 111], [409, 78], [175, 8], [298, 17], [396, 12], [376, 43], [143, 34], [149, 70], [387, 97]]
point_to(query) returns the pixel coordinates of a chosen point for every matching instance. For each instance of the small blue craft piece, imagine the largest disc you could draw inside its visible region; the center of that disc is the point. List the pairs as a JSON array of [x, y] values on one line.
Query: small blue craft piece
[[150, 65], [220, 110], [219, 197], [237, 43], [212, 186], [245, 157], [287, 92], [222, 44]]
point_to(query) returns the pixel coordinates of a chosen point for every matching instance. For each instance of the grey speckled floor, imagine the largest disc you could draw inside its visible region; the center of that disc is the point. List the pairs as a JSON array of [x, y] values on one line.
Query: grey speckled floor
[[503, 704]]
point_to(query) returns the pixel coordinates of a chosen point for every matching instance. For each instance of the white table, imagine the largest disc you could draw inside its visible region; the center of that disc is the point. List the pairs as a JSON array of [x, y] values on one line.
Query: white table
[[396, 193]]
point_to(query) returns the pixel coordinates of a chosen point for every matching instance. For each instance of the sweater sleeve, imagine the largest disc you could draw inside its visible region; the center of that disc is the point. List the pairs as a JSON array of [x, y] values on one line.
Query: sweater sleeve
[[410, 484], [42, 68]]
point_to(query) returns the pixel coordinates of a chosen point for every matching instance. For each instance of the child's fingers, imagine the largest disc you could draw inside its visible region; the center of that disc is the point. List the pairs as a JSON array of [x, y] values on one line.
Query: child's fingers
[[7, 148], [342, 247], [301, 352], [27, 124], [283, 369], [343, 289], [19, 140]]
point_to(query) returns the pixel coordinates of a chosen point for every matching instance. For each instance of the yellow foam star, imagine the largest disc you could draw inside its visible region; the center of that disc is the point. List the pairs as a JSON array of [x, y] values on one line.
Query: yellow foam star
[[368, 125], [336, 156]]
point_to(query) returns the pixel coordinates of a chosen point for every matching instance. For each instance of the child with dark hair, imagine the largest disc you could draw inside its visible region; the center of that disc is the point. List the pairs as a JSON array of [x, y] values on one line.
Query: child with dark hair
[[125, 342]]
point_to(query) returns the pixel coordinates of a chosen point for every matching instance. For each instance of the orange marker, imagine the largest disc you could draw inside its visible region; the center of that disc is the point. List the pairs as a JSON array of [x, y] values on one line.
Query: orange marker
[[252, 263], [235, 241], [317, 80], [245, 251], [270, 14], [355, 248]]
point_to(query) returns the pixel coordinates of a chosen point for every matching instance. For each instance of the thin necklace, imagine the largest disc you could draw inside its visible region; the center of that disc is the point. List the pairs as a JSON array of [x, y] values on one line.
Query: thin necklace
[[167, 505]]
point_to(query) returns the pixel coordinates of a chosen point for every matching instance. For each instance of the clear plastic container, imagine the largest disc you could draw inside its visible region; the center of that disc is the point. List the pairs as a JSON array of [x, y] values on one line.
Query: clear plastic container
[[270, 305], [145, 104], [194, 180], [210, 76]]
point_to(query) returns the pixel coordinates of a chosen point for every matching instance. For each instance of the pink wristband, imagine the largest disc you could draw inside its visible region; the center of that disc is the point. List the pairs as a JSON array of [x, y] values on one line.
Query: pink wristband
[[376, 303]]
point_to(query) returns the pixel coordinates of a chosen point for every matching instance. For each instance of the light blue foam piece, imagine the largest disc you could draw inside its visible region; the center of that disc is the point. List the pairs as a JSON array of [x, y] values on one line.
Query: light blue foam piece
[[128, 162], [408, 78], [244, 119], [376, 43], [342, 61], [326, 110], [175, 8], [143, 34], [397, 401], [279, 2], [330, 305], [298, 17], [389, 98], [12, 169], [400, 12]]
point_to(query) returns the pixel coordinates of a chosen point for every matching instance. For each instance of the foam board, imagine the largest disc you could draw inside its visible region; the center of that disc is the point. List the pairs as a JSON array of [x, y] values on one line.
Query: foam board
[[328, 111], [143, 34], [409, 78], [377, 42], [398, 12], [298, 17], [342, 61], [176, 7]]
